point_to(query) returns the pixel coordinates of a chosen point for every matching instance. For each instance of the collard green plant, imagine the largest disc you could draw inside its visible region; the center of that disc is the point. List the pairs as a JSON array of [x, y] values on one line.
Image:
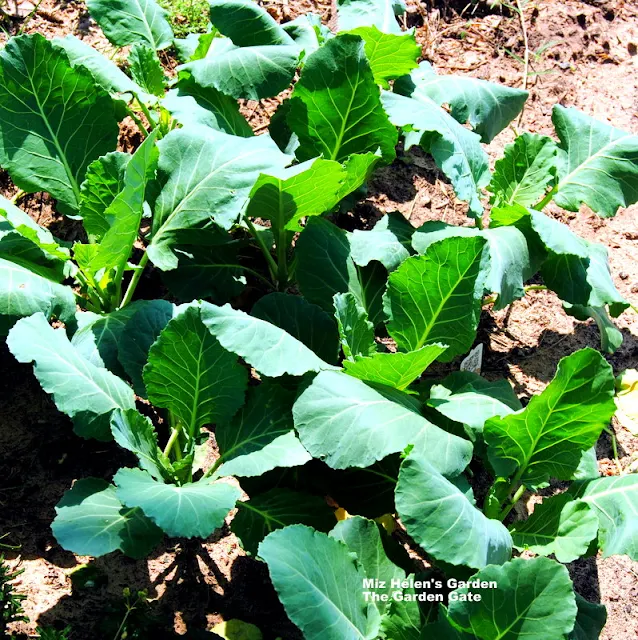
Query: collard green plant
[[318, 394]]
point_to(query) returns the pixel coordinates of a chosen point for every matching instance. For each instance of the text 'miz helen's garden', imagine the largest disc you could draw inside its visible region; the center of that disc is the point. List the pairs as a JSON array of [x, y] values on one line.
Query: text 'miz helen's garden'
[[319, 320]]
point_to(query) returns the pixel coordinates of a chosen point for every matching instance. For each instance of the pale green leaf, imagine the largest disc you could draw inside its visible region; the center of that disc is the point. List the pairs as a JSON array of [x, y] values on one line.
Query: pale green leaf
[[335, 108], [221, 171], [189, 373], [559, 525], [146, 69], [246, 23], [347, 423], [398, 370], [615, 502], [456, 150], [271, 350], [192, 104], [487, 106], [308, 566], [129, 21], [533, 599], [365, 13], [437, 297], [77, 386], [194, 509], [355, 330], [303, 320], [390, 55], [261, 436], [54, 119], [91, 521], [443, 521], [598, 164], [546, 439], [251, 73], [135, 433], [527, 168]]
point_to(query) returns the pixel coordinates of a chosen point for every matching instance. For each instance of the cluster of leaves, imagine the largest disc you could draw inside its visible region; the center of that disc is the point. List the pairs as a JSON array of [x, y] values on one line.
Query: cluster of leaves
[[304, 397]]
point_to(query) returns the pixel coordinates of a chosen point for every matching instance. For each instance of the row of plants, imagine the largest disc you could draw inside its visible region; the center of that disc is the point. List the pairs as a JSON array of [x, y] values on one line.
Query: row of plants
[[317, 390]]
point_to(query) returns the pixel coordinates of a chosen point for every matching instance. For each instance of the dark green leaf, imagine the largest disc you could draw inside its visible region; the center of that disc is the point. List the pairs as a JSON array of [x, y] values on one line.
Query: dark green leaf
[[355, 330]]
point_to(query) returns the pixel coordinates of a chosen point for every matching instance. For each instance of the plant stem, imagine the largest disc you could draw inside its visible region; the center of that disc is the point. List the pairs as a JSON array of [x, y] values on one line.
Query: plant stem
[[152, 124], [132, 285], [137, 121], [547, 199], [272, 265], [282, 259], [519, 9], [18, 196], [614, 448], [478, 222], [510, 505], [214, 468], [175, 431], [534, 287]]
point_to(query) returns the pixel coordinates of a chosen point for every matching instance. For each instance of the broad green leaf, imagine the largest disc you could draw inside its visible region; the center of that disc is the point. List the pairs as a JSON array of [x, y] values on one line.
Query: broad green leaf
[[191, 103], [277, 509], [146, 69], [590, 620], [598, 164], [471, 400], [189, 373], [17, 247], [77, 386], [527, 168], [437, 297], [402, 621], [531, 599], [398, 370], [307, 566], [325, 267], [261, 436], [456, 150], [104, 71], [443, 521], [271, 350], [105, 178], [347, 423], [389, 242], [355, 330], [559, 525], [576, 269], [91, 521], [221, 171], [587, 467], [390, 55], [98, 336], [129, 21], [614, 501], [303, 320], [246, 23], [138, 335], [135, 433], [194, 509], [251, 73], [362, 536], [547, 437], [335, 108], [124, 214], [54, 120], [487, 106], [307, 189], [365, 13], [509, 263], [307, 31], [209, 269], [23, 293], [359, 169]]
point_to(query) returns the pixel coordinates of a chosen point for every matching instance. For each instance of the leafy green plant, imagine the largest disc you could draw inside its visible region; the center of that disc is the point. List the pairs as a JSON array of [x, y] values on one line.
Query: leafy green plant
[[10, 601], [320, 393]]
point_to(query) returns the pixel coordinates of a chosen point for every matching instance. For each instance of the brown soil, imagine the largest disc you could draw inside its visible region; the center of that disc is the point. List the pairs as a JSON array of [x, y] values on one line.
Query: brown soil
[[589, 61]]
